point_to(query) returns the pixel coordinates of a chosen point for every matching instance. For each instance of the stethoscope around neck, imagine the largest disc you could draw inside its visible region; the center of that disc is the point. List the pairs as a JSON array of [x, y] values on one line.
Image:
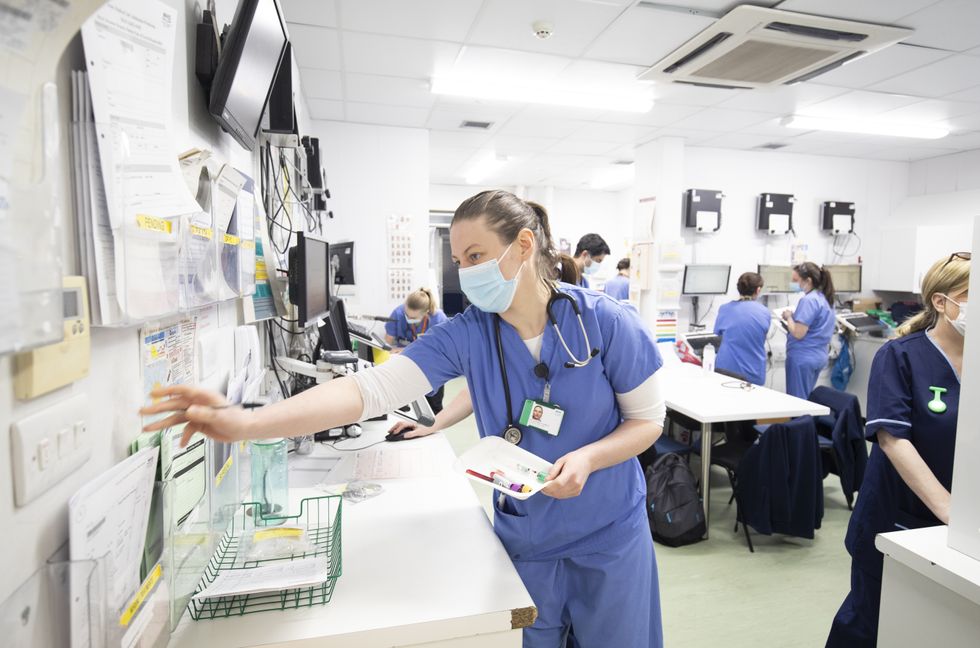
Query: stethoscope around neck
[[512, 433]]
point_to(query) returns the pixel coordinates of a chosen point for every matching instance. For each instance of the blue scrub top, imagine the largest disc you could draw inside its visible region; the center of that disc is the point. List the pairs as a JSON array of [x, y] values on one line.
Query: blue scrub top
[[406, 333], [618, 287], [583, 281], [814, 311], [743, 325], [898, 403], [612, 505]]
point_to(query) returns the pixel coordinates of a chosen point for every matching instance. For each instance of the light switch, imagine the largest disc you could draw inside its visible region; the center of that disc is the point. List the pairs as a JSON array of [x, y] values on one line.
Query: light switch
[[44, 454], [66, 442], [80, 431]]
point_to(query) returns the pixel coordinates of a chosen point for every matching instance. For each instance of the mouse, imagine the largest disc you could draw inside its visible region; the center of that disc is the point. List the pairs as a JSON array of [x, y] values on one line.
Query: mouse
[[399, 435]]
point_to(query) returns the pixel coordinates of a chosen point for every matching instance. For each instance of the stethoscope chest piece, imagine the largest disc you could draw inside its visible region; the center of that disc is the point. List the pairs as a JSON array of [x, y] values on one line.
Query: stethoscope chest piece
[[512, 435]]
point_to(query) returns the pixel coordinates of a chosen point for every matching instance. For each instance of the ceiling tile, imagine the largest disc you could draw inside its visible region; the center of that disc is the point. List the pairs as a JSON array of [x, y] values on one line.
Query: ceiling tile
[[450, 118], [397, 91], [644, 35], [958, 114], [721, 119], [949, 25], [881, 65], [875, 11], [599, 74], [321, 84], [514, 144], [741, 141], [772, 128], [325, 109], [564, 112], [315, 47], [448, 20], [616, 133], [662, 114], [459, 139], [858, 103], [582, 147], [690, 136], [514, 66], [974, 52], [971, 94], [961, 141], [366, 113], [575, 24], [691, 95], [944, 77], [394, 56], [541, 126], [623, 152], [909, 153], [783, 100], [322, 13], [450, 154]]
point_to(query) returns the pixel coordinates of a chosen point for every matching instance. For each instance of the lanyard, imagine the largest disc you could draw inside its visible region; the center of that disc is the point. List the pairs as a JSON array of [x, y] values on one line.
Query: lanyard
[[425, 325]]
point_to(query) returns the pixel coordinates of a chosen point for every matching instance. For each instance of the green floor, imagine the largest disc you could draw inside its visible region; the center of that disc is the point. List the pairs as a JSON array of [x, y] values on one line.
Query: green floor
[[716, 593]]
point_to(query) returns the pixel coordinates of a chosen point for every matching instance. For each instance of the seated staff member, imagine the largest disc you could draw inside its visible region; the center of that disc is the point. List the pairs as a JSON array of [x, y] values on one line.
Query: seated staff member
[[413, 318], [913, 400], [743, 326], [589, 253], [582, 546], [619, 286], [810, 328]]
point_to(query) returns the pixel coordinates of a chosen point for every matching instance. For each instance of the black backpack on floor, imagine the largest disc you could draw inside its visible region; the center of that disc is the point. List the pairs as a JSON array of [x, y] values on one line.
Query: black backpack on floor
[[673, 506]]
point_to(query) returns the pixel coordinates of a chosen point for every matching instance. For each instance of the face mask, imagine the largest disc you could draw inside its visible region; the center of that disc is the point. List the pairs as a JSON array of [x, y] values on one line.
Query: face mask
[[485, 286], [960, 322], [592, 269], [413, 320], [795, 286]]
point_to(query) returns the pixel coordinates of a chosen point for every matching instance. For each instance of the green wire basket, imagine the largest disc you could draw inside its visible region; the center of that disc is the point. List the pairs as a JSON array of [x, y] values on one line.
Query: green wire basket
[[322, 518]]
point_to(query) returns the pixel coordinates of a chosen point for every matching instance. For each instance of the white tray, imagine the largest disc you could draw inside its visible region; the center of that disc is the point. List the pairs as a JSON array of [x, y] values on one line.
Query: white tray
[[492, 453]]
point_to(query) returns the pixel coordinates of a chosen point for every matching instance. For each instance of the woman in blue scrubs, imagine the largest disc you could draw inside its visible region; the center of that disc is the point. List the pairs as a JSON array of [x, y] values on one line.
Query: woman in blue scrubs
[[810, 328], [582, 546], [618, 287], [913, 400], [409, 321], [743, 326]]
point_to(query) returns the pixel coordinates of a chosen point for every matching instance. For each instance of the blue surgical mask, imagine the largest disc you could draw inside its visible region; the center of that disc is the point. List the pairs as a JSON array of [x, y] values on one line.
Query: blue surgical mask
[[592, 269], [485, 286], [795, 286]]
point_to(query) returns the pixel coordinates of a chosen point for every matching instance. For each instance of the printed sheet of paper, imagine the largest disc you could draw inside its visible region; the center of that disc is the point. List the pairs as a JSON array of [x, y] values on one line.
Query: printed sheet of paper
[[381, 463], [277, 576]]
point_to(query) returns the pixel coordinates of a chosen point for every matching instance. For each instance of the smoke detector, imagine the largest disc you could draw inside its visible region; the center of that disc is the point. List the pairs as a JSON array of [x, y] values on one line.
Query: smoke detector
[[543, 30]]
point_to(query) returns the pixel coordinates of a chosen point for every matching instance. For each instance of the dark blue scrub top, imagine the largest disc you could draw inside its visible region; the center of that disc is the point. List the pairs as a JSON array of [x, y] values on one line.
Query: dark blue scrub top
[[743, 326], [898, 397]]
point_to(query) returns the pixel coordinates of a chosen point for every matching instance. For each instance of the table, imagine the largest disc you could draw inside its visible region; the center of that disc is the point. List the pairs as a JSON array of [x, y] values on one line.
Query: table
[[704, 397], [930, 594], [422, 567]]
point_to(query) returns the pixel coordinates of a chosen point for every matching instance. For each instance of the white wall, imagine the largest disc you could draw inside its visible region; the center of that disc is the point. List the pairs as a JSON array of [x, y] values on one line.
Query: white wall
[[372, 172], [114, 389]]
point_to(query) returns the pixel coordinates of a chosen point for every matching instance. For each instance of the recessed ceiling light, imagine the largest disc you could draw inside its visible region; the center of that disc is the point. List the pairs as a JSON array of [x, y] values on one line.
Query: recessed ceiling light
[[866, 127]]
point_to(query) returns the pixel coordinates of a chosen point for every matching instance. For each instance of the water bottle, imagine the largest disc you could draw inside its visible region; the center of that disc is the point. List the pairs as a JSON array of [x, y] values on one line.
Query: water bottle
[[270, 485], [708, 358]]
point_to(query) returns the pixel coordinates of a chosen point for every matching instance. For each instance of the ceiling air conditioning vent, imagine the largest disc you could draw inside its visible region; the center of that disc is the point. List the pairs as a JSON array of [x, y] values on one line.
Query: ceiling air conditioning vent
[[756, 47], [771, 146], [482, 125]]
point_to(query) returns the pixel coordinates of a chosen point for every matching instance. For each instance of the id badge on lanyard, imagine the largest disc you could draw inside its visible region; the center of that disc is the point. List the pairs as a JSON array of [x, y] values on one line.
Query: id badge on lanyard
[[542, 415]]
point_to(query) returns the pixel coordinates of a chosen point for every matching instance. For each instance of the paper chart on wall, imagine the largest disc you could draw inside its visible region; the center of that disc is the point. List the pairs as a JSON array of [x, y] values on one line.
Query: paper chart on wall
[[167, 356]]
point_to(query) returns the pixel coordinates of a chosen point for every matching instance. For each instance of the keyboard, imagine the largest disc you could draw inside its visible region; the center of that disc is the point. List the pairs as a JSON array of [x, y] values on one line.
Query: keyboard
[[365, 334]]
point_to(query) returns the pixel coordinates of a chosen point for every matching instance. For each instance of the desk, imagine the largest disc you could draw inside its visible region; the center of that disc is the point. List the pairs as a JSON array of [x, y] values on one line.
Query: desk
[[421, 567], [930, 594], [703, 397]]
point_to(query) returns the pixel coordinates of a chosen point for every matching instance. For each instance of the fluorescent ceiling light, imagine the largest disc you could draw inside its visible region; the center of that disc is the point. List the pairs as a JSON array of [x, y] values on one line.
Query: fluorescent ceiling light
[[639, 100], [484, 165], [614, 176], [866, 127]]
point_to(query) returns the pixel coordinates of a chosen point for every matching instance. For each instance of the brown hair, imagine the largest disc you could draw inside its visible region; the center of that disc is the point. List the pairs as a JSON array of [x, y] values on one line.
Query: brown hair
[[568, 271], [507, 215], [748, 283], [423, 300], [820, 277], [945, 277]]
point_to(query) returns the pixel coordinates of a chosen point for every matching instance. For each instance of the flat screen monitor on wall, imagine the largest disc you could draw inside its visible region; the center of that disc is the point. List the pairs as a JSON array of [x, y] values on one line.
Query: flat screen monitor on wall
[[776, 278], [706, 279], [309, 278], [250, 58], [846, 278]]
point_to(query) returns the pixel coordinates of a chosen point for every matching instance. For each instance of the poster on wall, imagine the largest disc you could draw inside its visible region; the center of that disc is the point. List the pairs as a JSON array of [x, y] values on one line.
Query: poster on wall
[[400, 256]]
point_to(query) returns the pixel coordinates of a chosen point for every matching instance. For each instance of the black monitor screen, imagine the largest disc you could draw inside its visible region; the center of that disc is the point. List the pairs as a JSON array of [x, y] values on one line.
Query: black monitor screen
[[309, 278], [342, 263], [247, 68], [338, 319]]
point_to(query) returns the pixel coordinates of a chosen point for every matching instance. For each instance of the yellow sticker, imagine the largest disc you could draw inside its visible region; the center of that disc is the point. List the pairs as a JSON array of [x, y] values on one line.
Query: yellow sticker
[[153, 224], [269, 534], [231, 239], [224, 471], [202, 232], [141, 595], [248, 245]]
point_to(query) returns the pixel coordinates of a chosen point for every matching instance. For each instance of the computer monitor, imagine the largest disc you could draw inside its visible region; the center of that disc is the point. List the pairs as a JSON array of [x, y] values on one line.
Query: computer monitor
[[342, 263], [776, 278], [706, 279], [338, 320], [309, 278], [250, 59], [846, 278]]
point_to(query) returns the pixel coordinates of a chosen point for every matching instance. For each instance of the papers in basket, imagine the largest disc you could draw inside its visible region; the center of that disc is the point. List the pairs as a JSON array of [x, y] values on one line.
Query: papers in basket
[[268, 578]]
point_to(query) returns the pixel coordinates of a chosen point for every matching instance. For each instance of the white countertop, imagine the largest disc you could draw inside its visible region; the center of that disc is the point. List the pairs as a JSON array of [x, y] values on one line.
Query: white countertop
[[926, 551], [711, 397], [421, 563]]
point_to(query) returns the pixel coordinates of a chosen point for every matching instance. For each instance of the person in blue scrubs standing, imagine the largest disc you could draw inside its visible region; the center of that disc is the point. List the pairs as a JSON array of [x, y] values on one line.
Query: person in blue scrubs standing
[[582, 545], [589, 253], [810, 328], [913, 400], [410, 320], [743, 326], [619, 286]]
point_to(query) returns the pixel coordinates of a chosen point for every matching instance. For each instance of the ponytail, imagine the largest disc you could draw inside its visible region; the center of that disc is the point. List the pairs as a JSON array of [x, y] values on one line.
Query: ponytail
[[944, 278], [568, 271], [422, 299], [820, 277]]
